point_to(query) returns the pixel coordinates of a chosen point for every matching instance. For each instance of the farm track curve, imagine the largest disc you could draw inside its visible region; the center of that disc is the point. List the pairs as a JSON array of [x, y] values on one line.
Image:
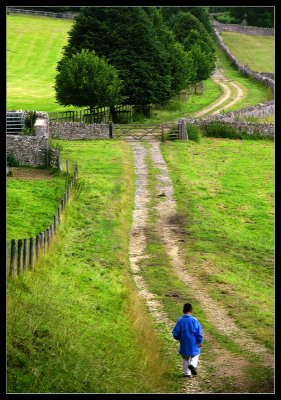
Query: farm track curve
[[223, 102], [226, 366]]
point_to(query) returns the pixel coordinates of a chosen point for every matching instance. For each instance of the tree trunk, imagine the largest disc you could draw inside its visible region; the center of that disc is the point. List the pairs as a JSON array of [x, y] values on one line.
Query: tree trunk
[[113, 114]]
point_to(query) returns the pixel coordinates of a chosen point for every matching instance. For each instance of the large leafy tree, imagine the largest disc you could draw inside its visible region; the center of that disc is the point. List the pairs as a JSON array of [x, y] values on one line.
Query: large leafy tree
[[180, 63], [86, 80], [126, 37], [195, 39], [201, 13]]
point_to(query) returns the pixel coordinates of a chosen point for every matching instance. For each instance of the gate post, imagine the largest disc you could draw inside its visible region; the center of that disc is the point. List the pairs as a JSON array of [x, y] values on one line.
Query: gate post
[[110, 129], [182, 129]]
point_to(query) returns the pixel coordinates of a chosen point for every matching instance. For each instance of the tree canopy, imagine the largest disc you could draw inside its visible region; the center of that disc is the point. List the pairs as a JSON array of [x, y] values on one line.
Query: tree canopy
[[86, 80]]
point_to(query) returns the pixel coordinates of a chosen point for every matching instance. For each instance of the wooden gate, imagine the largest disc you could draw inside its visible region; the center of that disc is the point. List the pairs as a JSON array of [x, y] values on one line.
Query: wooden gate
[[145, 131]]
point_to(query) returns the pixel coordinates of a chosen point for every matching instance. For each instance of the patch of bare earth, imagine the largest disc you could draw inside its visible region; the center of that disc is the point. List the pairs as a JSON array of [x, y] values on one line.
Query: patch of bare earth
[[26, 173]]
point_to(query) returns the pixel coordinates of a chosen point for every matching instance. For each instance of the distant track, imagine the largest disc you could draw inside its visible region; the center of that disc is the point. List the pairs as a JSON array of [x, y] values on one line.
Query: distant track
[[226, 84]]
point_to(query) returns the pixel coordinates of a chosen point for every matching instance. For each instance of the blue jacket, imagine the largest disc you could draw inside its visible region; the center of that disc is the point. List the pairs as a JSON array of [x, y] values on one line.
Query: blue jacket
[[189, 332]]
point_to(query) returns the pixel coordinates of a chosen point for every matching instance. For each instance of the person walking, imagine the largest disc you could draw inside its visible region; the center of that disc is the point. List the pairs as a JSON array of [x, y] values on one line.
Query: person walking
[[189, 332]]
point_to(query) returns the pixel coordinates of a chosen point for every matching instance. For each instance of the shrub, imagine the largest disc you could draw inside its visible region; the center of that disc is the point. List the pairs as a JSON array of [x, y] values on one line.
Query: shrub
[[194, 132], [12, 161], [219, 129]]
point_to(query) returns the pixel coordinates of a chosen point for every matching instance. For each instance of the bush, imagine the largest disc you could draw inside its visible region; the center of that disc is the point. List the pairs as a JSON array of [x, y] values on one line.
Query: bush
[[12, 161], [194, 132], [219, 129]]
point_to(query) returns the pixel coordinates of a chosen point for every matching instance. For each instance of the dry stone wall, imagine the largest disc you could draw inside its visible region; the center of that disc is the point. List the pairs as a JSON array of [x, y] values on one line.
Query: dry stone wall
[[78, 130], [31, 150], [243, 68], [244, 29]]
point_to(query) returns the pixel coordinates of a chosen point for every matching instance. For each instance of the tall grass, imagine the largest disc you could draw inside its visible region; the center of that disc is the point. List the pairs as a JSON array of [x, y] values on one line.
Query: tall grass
[[76, 325]]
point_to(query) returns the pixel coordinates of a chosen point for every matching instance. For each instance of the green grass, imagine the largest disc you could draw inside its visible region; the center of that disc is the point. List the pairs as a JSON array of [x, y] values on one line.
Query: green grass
[[76, 325], [229, 210], [34, 46], [31, 204], [255, 51], [184, 108], [160, 278], [254, 92]]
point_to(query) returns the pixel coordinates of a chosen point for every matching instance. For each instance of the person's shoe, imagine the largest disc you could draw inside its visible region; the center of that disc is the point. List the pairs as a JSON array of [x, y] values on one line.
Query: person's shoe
[[192, 369], [186, 375]]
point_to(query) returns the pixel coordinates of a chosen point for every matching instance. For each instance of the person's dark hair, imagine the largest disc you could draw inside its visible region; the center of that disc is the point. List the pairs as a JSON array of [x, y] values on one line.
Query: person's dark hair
[[187, 307]]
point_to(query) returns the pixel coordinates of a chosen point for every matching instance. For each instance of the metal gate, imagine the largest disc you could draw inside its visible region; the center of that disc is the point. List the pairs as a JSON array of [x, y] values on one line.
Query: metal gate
[[14, 122]]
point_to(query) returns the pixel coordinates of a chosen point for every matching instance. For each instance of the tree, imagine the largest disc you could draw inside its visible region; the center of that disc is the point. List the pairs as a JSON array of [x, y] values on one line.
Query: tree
[[85, 80], [126, 38], [195, 39], [179, 62], [201, 13]]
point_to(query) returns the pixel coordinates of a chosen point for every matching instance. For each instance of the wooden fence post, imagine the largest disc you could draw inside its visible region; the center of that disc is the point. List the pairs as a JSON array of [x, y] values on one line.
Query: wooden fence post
[[25, 253], [31, 254], [42, 234], [13, 257], [59, 214], [66, 164], [55, 224], [162, 133], [110, 127], [37, 246], [47, 238], [19, 264]]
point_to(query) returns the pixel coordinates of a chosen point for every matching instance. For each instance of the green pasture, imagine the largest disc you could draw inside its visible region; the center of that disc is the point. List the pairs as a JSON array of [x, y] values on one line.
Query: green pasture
[[225, 189], [34, 46], [31, 204], [255, 51]]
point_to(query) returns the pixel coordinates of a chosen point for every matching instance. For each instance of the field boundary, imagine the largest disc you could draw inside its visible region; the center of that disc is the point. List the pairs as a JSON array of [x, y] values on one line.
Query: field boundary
[[243, 69]]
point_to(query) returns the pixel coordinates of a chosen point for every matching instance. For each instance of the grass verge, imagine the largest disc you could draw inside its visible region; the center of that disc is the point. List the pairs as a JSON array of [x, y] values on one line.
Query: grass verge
[[76, 325]]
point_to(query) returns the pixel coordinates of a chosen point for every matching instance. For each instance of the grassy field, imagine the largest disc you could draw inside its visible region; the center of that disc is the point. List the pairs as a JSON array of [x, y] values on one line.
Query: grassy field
[[229, 209], [255, 51], [31, 204], [76, 325], [34, 46], [254, 92]]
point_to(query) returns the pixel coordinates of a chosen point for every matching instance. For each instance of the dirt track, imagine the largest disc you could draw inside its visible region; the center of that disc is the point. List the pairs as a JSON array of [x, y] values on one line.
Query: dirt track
[[227, 87]]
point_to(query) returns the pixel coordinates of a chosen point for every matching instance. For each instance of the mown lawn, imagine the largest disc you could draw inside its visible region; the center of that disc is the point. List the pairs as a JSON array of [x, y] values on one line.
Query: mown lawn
[[255, 51], [34, 46], [76, 325], [225, 188]]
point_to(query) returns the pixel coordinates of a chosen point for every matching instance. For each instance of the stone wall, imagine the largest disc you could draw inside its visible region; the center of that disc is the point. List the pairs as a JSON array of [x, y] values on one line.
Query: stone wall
[[265, 130], [243, 68], [259, 110], [244, 29], [78, 130], [28, 150], [31, 150]]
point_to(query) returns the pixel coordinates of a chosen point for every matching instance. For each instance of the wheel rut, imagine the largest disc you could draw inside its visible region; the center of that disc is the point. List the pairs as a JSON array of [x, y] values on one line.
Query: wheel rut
[[226, 366]]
